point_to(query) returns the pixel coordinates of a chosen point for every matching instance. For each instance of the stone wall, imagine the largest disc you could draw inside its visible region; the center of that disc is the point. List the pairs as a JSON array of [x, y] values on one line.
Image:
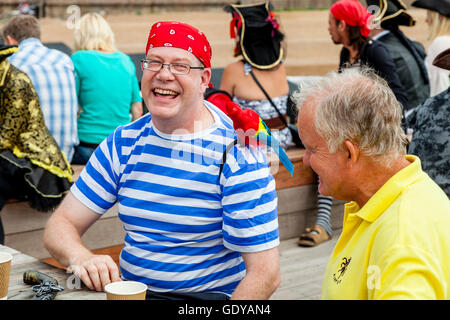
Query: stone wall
[[58, 8]]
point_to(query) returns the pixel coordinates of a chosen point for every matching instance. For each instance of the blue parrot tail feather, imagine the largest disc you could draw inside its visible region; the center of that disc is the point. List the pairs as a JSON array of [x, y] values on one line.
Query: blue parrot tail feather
[[271, 141]]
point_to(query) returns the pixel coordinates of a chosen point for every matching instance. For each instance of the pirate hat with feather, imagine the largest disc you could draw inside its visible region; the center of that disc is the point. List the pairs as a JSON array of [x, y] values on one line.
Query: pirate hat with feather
[[391, 12], [260, 40]]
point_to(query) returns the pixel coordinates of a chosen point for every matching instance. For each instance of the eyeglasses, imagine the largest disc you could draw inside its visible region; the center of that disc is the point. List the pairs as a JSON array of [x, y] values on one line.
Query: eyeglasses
[[174, 68]]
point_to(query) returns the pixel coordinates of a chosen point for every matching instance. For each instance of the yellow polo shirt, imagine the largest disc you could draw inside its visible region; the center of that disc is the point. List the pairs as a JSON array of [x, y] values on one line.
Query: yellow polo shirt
[[395, 247]]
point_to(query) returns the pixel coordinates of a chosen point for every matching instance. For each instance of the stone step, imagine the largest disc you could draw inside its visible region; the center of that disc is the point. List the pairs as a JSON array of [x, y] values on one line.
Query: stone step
[[24, 229], [58, 8]]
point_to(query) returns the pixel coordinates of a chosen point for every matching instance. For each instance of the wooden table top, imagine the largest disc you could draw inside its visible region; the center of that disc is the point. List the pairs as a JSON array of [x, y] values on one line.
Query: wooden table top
[[18, 290]]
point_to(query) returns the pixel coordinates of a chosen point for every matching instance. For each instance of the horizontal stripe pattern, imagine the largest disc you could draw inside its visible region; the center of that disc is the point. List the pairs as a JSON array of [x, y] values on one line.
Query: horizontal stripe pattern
[[186, 227]]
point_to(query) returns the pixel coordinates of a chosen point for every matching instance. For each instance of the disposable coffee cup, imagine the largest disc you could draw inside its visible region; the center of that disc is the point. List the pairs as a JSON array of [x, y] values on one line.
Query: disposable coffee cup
[[125, 290], [5, 269]]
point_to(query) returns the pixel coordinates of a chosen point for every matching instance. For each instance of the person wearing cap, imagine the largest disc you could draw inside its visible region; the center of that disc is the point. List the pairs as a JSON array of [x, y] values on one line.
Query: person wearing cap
[[438, 20], [259, 43], [32, 166], [431, 136], [349, 25], [408, 55], [191, 232], [394, 242]]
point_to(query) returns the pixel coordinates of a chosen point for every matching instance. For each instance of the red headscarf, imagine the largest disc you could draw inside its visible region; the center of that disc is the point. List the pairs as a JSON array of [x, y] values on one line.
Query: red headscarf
[[353, 13], [180, 35]]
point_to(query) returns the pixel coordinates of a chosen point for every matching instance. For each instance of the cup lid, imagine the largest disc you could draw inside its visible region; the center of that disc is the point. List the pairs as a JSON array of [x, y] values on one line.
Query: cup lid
[[125, 287], [5, 257]]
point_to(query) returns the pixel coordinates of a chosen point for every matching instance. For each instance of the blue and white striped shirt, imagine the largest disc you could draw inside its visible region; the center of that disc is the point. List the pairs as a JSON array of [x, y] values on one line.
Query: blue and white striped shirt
[[185, 226], [52, 74]]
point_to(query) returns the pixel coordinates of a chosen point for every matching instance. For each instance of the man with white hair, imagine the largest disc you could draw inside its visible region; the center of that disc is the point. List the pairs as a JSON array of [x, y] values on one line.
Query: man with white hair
[[395, 240]]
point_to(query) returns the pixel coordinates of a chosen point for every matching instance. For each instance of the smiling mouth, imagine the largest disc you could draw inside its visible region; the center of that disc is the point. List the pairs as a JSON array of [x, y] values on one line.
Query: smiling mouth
[[165, 93]]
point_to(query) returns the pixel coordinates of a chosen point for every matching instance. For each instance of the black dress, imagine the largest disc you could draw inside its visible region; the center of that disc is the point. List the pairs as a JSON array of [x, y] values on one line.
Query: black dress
[[408, 57]]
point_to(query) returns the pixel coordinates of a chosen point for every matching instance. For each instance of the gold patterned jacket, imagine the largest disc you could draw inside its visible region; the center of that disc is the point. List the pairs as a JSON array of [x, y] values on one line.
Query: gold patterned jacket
[[22, 127]]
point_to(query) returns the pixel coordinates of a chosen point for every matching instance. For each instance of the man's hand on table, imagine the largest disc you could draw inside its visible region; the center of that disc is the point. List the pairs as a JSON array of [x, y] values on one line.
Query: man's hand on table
[[96, 271]]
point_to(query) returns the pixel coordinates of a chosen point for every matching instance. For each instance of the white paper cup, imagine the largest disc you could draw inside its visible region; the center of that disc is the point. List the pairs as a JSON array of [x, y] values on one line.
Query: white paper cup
[[126, 290], [5, 269]]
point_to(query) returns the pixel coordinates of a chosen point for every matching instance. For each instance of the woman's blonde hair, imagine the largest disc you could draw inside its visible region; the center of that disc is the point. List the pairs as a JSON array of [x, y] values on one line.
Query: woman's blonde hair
[[357, 105], [94, 33], [439, 25]]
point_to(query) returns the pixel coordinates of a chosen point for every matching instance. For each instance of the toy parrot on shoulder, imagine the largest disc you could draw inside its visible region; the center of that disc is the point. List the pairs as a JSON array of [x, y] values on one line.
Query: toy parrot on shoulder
[[252, 130]]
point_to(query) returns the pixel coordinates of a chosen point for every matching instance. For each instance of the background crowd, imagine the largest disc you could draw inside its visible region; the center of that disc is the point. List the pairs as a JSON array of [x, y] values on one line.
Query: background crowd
[[58, 110]]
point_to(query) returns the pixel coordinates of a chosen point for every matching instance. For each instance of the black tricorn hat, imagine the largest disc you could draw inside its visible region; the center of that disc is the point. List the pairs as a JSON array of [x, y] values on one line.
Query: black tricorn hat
[[441, 6], [390, 12], [260, 41], [442, 60]]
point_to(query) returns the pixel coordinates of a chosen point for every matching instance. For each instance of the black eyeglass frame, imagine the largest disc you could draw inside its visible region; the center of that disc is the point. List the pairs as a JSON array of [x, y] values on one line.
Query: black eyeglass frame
[[169, 65]]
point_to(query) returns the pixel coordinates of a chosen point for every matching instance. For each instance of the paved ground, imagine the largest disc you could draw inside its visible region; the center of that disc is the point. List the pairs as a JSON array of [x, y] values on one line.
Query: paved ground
[[302, 269], [309, 48]]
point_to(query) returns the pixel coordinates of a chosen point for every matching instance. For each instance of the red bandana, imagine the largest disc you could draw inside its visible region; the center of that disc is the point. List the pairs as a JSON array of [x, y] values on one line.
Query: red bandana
[[353, 13], [180, 35]]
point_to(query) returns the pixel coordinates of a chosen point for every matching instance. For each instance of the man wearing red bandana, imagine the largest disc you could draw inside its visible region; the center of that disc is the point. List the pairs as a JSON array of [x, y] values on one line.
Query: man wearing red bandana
[[349, 24], [196, 226], [175, 100]]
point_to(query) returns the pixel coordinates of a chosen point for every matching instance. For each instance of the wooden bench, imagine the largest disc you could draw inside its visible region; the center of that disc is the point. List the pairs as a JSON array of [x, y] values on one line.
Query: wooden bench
[[24, 227], [297, 205]]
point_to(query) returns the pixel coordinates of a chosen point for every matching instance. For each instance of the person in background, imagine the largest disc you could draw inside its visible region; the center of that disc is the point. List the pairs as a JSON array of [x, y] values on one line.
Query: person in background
[[32, 166], [52, 74], [348, 24], [408, 55], [431, 136], [259, 43], [107, 88], [438, 20], [196, 227], [395, 241]]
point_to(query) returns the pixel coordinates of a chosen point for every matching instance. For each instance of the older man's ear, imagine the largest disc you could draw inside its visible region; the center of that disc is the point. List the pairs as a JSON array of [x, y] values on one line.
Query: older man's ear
[[353, 153]]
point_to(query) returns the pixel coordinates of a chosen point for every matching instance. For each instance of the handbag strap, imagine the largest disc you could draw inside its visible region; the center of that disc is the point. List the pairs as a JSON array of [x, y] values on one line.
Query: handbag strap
[[283, 119], [224, 155]]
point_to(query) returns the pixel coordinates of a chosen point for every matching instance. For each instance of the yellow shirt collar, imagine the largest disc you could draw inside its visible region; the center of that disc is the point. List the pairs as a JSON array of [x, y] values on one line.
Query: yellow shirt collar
[[384, 197]]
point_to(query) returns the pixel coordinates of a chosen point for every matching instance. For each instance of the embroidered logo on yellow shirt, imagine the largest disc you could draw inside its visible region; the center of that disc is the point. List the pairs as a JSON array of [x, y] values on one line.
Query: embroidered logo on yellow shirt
[[337, 276]]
